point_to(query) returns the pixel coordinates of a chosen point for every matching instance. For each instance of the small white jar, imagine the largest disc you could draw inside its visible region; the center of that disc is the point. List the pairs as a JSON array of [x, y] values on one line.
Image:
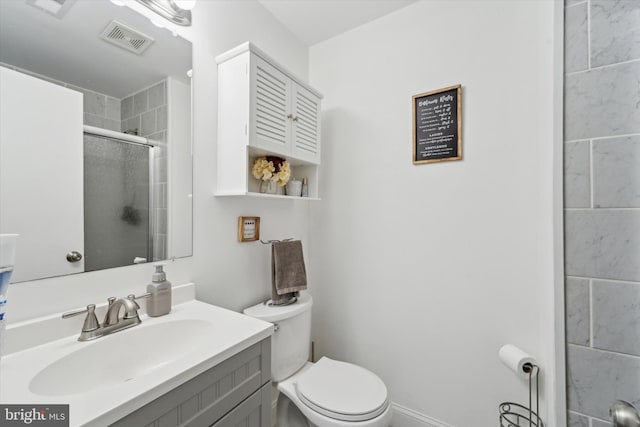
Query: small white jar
[[294, 188]]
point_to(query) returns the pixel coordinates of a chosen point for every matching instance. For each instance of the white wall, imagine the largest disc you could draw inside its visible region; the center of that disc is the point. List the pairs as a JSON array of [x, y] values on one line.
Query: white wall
[[426, 270], [423, 272], [227, 273]]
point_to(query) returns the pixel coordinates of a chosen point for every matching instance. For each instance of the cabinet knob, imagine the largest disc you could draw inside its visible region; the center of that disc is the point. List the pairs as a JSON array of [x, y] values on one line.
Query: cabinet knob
[[292, 117]]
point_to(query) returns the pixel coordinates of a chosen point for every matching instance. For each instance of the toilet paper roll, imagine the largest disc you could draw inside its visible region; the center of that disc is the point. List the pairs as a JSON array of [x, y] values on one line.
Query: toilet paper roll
[[516, 359]]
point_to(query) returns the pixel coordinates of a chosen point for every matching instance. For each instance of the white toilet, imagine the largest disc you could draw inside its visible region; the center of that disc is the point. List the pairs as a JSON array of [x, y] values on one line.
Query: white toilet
[[328, 393]]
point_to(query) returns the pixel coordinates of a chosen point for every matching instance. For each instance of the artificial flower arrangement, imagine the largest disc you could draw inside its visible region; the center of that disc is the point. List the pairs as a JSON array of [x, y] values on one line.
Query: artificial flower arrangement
[[271, 168]]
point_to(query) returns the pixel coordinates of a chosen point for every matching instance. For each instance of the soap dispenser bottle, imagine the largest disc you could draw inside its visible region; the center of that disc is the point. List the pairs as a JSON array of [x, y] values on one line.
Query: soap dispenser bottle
[[159, 290]]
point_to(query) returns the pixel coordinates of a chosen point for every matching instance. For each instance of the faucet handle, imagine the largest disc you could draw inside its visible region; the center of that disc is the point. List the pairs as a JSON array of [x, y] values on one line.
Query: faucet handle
[[132, 312], [108, 316], [133, 298], [90, 322]]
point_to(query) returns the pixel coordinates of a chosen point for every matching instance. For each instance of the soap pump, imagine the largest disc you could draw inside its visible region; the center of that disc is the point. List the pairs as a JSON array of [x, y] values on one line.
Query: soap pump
[[159, 290]]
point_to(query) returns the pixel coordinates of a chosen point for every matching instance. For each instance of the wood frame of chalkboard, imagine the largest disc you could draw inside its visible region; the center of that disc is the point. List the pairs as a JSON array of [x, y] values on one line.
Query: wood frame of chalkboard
[[437, 125]]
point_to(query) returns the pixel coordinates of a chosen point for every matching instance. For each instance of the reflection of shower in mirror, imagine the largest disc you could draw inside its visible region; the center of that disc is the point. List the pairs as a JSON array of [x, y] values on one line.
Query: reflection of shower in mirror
[[51, 168], [124, 217]]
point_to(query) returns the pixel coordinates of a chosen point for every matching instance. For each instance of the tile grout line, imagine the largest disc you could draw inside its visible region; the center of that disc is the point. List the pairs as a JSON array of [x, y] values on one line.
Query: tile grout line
[[597, 138], [631, 282], [598, 419], [601, 67], [591, 313], [591, 179], [589, 35], [617, 353], [575, 4], [591, 208], [589, 418]]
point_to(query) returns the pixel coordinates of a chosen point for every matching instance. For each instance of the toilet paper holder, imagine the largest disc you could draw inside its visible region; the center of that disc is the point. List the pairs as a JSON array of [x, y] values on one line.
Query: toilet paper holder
[[516, 415]]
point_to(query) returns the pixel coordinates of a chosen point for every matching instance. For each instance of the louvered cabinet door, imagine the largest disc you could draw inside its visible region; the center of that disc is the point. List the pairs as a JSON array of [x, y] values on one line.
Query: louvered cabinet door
[[270, 127], [263, 110], [306, 125]]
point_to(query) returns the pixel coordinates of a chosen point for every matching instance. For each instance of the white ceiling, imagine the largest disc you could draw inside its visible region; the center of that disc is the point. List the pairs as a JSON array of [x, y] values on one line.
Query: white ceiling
[[313, 21], [70, 49]]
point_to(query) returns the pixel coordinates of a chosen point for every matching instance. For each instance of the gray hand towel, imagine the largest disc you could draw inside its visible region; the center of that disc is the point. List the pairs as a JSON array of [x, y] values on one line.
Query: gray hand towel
[[288, 272]]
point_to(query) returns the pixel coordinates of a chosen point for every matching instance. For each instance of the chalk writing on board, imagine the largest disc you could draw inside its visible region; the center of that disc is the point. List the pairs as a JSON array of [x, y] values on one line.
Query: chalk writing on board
[[437, 126]]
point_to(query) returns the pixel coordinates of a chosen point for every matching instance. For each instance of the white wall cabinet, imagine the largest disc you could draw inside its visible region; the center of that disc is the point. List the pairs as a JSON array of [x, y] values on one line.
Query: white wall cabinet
[[264, 110]]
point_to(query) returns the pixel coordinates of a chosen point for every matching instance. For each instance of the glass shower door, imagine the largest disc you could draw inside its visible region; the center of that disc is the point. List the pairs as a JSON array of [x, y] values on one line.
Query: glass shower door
[[117, 226]]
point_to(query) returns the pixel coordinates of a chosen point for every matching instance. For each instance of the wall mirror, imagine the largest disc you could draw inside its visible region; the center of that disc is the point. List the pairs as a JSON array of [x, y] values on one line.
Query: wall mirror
[[95, 137]]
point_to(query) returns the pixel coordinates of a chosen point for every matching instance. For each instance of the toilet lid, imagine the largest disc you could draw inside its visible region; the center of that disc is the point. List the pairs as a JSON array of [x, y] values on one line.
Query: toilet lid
[[342, 391]]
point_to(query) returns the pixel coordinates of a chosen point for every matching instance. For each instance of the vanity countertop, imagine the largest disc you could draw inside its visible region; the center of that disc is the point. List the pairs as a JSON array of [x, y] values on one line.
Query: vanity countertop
[[228, 333]]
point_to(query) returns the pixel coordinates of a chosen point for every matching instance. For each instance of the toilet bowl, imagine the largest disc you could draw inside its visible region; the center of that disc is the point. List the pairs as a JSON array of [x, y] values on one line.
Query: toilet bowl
[[328, 393], [331, 393]]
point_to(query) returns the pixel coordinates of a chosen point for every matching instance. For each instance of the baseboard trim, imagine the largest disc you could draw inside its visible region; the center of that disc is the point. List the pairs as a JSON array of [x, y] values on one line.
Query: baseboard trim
[[401, 417], [405, 417]]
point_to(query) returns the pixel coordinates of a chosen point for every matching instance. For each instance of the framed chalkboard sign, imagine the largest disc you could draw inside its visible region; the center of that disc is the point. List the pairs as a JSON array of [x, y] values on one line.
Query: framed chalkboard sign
[[437, 125]]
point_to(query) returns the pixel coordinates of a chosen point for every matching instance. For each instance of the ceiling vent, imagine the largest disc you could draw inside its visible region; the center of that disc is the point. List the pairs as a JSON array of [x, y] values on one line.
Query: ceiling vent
[[126, 37]]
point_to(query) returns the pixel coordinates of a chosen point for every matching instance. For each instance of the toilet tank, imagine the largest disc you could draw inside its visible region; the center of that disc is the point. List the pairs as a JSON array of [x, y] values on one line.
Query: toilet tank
[[292, 338]]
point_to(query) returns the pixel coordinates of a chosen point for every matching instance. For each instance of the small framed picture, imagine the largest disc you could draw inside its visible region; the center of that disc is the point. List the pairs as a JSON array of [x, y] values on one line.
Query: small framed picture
[[248, 228]]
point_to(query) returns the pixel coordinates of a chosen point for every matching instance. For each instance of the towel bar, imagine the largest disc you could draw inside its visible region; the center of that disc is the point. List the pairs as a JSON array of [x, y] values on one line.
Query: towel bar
[[268, 242]]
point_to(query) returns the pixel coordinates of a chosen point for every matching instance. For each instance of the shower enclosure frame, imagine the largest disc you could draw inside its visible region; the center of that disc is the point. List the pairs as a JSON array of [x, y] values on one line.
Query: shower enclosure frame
[[555, 388], [144, 142]]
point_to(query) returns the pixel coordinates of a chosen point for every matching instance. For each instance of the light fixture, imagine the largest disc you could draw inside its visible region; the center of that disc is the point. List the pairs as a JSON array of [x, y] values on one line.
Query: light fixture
[[185, 4], [157, 23], [170, 10]]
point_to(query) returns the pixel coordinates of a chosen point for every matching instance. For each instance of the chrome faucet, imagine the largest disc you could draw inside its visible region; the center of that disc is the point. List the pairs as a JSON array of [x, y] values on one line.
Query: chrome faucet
[[91, 329]]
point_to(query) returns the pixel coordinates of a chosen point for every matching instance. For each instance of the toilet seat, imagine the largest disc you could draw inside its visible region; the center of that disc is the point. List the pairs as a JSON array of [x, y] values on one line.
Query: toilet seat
[[342, 391]]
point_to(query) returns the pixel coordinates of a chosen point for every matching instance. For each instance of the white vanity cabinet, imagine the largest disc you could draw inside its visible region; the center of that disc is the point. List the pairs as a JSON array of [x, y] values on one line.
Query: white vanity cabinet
[[264, 110]]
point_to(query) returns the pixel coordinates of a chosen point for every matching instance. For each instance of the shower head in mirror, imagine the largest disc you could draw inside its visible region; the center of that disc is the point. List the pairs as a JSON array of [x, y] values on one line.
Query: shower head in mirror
[[175, 11]]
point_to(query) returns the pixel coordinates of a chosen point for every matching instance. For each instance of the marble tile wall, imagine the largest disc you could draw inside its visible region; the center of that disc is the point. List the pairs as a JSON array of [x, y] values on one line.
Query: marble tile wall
[[577, 420], [146, 111], [99, 110], [602, 207]]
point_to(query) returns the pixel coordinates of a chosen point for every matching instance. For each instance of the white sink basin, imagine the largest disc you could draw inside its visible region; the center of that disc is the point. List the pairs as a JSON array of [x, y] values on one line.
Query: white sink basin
[[106, 379], [120, 357]]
